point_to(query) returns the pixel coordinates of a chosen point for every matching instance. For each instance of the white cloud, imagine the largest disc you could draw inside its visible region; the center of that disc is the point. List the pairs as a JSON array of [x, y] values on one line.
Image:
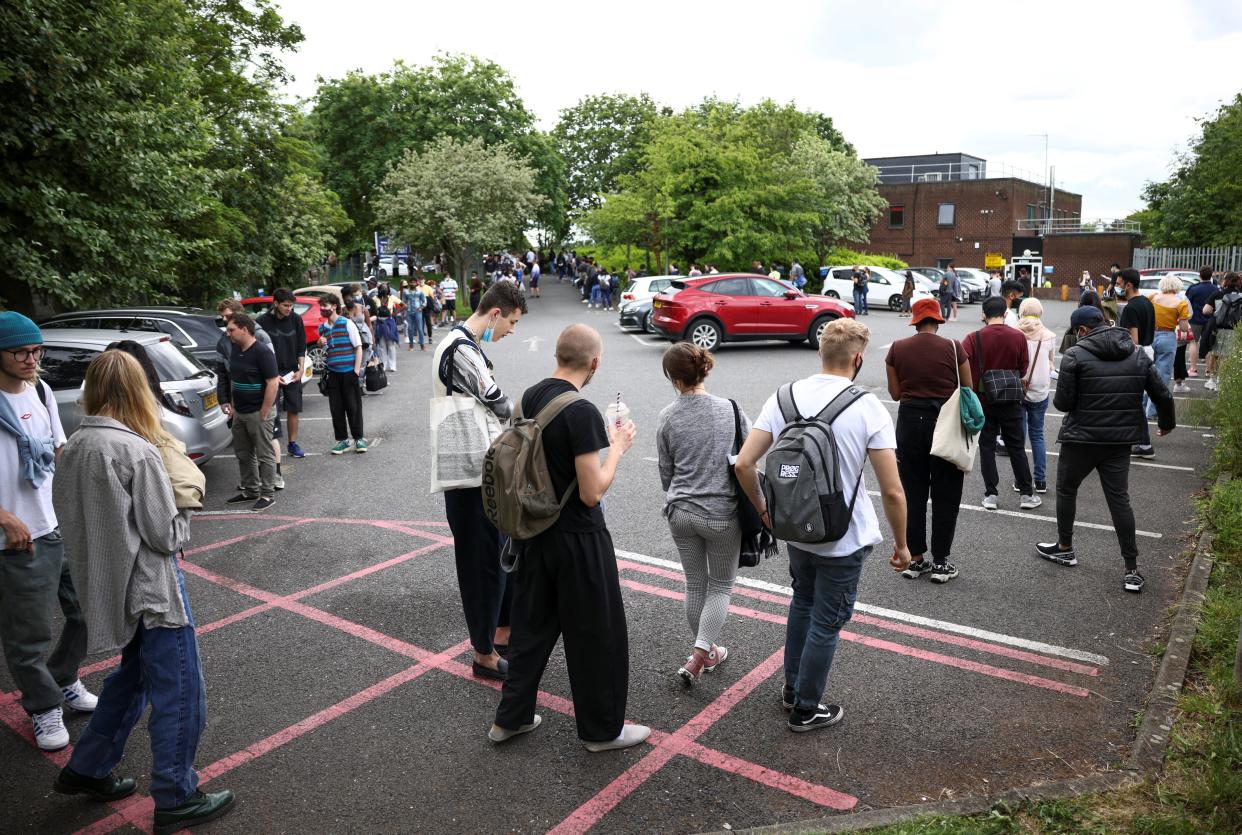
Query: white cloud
[[1116, 85]]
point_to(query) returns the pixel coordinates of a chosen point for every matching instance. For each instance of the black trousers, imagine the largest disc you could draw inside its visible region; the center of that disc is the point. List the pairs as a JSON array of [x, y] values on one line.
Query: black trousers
[[922, 474], [485, 594], [1005, 420], [345, 404], [1112, 462], [1179, 362], [567, 586]]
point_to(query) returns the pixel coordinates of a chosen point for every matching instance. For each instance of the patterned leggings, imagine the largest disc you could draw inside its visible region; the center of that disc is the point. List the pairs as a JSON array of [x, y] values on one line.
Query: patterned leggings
[[709, 549]]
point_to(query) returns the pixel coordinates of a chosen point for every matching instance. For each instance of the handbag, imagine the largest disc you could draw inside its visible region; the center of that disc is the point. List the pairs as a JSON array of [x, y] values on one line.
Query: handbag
[[462, 431], [957, 424], [999, 385], [376, 378], [323, 382], [757, 541]]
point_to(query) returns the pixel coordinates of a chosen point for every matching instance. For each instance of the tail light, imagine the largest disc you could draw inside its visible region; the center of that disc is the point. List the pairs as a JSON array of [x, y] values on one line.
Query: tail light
[[176, 402], [628, 297]]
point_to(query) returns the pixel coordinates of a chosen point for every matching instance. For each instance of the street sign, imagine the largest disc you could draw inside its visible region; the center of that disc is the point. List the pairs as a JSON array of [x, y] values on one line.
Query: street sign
[[993, 261], [382, 247]]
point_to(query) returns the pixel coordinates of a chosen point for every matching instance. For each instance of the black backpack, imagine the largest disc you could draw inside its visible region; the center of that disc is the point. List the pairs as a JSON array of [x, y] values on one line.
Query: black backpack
[[1228, 311]]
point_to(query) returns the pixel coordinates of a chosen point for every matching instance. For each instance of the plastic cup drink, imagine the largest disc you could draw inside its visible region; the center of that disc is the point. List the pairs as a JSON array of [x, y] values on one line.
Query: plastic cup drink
[[617, 414]]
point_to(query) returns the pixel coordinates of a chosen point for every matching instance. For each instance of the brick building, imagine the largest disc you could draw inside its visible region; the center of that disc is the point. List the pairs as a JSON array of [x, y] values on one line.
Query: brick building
[[951, 207]]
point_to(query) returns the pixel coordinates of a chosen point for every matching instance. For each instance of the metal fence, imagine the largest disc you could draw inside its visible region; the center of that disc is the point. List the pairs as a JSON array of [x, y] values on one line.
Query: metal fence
[[1224, 258], [1074, 226]]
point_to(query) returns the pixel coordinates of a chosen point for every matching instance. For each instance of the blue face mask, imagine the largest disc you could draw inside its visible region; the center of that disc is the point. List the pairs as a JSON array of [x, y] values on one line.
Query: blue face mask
[[489, 331]]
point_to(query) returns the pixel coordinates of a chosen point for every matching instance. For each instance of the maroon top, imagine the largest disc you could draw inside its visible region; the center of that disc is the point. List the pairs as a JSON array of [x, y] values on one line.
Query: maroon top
[[925, 366], [1003, 347]]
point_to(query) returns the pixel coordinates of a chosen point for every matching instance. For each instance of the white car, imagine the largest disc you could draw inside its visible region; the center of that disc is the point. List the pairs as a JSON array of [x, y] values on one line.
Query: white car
[[883, 290], [975, 281], [648, 286]]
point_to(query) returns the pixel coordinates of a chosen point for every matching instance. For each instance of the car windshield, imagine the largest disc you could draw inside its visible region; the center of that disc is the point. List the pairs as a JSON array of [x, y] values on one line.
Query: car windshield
[[173, 363]]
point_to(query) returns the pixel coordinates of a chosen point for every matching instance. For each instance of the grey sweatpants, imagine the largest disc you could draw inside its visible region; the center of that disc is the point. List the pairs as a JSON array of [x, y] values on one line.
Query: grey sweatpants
[[709, 549], [256, 460]]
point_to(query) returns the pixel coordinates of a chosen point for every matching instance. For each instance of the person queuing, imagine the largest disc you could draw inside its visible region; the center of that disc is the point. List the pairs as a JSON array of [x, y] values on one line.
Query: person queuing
[[1224, 310], [255, 382], [1041, 359], [34, 573], [387, 337], [923, 372], [825, 576], [955, 291], [694, 434], [123, 528], [476, 291], [343, 371], [1172, 312], [998, 352], [567, 581], [460, 366], [907, 294], [1139, 318], [1197, 296], [1012, 293], [1100, 391], [288, 335], [415, 301]]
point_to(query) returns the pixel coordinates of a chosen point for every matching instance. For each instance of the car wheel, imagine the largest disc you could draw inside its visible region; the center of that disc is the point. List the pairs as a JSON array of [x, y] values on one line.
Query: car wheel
[[817, 329], [705, 334], [383, 272], [318, 358], [832, 294], [894, 303], [647, 326]]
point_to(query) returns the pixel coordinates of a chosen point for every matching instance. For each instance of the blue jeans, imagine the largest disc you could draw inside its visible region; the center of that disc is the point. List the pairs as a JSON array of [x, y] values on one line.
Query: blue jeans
[[860, 301], [1033, 423], [595, 294], [160, 667], [824, 591], [414, 327], [1165, 347]]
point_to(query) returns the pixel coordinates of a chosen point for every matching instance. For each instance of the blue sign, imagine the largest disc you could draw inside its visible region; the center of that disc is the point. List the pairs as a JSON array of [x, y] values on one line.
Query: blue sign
[[1047, 270], [382, 247]]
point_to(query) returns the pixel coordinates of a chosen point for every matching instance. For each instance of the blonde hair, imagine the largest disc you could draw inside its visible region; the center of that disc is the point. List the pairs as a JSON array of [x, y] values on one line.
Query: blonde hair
[[1031, 307], [1170, 284], [117, 387], [841, 339]]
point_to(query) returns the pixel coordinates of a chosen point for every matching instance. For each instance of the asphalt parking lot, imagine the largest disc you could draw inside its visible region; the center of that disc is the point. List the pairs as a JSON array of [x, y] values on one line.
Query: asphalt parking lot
[[339, 691]]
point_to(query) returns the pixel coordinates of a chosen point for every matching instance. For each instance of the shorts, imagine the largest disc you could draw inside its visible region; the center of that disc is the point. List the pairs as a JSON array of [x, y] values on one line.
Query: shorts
[[1224, 343], [1196, 331], [534, 281], [289, 397], [276, 433]]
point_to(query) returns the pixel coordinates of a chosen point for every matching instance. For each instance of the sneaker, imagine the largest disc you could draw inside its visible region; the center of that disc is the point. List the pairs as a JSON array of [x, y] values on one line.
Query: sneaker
[[917, 569], [943, 572], [1000, 442], [1180, 388], [788, 698], [498, 734], [801, 721], [715, 658], [1053, 552], [1210, 385], [280, 481], [341, 447], [295, 451], [360, 445], [692, 669], [1041, 487], [49, 729], [79, 698], [631, 735], [1134, 581], [1140, 451], [989, 501], [1030, 502], [240, 498], [263, 504]]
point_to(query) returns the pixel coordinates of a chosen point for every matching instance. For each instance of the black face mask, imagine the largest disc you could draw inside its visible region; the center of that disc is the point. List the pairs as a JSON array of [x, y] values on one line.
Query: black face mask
[[857, 368]]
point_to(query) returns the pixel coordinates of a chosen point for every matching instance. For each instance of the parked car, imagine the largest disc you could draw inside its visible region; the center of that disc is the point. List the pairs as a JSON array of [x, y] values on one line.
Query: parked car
[[193, 328], [1149, 279], [637, 314], [308, 308], [314, 291], [974, 280], [883, 290], [646, 286], [711, 309], [190, 409]]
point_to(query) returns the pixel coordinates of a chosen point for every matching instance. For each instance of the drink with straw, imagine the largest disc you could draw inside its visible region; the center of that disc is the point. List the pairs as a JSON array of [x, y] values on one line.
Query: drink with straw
[[617, 413]]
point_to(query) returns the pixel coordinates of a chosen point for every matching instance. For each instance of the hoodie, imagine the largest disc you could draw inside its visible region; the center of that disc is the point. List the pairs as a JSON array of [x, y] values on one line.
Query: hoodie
[[1100, 389], [1039, 357]]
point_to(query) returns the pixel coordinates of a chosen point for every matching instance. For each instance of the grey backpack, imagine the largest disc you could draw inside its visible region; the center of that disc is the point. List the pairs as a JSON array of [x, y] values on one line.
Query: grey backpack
[[802, 478]]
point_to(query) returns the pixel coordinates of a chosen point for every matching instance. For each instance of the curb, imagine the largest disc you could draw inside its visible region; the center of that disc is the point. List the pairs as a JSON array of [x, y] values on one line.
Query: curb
[[1145, 761]]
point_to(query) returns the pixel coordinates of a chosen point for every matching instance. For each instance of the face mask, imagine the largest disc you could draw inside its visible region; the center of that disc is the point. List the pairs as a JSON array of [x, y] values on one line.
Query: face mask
[[489, 331], [590, 376], [857, 368]]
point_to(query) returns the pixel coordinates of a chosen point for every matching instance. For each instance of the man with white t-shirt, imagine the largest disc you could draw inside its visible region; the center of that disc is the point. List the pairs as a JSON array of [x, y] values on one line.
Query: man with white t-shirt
[[825, 575], [33, 568]]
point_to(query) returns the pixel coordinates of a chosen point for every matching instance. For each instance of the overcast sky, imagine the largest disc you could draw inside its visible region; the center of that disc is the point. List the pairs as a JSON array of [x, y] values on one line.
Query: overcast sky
[[1117, 86]]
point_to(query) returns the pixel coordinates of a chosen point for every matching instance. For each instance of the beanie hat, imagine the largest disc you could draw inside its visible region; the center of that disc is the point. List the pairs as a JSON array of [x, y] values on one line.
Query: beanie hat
[[17, 330], [1090, 317]]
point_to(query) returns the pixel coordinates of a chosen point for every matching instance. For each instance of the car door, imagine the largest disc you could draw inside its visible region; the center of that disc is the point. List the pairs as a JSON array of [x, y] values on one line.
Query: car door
[[729, 300], [778, 314], [879, 290]]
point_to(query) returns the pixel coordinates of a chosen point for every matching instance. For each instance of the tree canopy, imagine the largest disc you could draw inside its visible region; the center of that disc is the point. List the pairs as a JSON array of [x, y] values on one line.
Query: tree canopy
[[601, 138]]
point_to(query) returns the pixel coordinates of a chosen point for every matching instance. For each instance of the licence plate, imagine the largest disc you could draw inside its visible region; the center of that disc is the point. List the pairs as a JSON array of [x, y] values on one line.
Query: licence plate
[[210, 401], [657, 303]]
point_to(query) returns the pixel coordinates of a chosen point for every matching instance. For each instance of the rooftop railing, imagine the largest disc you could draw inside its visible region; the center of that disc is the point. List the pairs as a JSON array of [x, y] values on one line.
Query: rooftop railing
[[1076, 226]]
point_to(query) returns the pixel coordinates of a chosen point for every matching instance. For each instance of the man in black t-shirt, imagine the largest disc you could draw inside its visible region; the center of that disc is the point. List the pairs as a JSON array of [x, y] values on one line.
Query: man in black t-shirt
[[567, 580], [288, 335], [252, 372], [1139, 318]]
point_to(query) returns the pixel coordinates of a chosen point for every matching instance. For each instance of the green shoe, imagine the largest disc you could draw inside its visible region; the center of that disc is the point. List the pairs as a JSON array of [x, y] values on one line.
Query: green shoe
[[340, 448], [199, 808], [360, 445]]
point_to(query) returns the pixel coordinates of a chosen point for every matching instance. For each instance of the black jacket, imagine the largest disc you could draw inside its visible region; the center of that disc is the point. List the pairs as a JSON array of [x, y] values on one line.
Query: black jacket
[[1100, 390]]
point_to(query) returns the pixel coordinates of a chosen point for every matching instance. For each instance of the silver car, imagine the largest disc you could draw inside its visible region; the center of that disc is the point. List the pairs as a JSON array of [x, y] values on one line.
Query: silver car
[[190, 409]]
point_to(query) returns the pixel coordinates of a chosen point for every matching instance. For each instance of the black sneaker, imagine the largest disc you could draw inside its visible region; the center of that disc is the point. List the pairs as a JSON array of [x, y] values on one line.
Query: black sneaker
[[943, 572], [917, 569], [1053, 552], [788, 699], [263, 504], [1041, 487], [240, 498], [1140, 451], [801, 721], [1134, 581]]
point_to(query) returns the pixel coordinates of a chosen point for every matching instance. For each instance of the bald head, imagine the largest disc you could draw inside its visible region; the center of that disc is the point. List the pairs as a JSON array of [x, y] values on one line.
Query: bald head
[[577, 346]]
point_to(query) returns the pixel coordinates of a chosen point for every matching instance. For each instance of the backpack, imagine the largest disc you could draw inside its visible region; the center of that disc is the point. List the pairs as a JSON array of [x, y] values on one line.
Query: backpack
[[802, 478], [1228, 311], [518, 496]]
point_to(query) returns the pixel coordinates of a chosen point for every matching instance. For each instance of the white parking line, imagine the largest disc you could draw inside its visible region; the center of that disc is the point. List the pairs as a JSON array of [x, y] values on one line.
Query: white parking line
[[893, 614], [641, 341]]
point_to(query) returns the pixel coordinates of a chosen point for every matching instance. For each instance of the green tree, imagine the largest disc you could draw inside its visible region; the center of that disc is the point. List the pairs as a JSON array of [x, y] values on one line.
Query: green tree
[[844, 197], [601, 138], [455, 196], [1201, 204]]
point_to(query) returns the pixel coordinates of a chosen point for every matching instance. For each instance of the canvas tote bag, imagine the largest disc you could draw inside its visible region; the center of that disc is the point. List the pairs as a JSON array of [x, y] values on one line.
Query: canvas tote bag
[[462, 430], [952, 439]]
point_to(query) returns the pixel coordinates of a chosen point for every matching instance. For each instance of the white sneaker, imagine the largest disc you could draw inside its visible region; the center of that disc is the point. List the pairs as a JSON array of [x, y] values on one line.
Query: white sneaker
[[989, 502], [1210, 385], [1180, 388], [280, 482], [631, 735], [1030, 502], [49, 730], [79, 698]]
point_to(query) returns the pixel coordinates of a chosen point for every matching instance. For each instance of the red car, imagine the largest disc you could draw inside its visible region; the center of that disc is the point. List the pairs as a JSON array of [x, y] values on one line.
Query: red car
[[712, 309], [305, 306]]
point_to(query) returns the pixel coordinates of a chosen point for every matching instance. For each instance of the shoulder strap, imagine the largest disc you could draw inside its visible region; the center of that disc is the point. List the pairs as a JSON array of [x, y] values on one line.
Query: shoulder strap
[[788, 406], [737, 427], [555, 406], [846, 398], [979, 347], [39, 387], [957, 363]]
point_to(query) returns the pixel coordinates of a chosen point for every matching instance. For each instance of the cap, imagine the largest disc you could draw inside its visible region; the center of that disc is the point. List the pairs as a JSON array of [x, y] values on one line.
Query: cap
[[1086, 316], [17, 330], [925, 309]]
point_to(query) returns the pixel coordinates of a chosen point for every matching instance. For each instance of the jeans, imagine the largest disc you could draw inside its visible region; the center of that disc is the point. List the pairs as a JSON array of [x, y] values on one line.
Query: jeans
[[1164, 346], [824, 591], [595, 294], [1033, 423], [922, 474], [946, 307], [1005, 420], [414, 327], [256, 460], [160, 667], [860, 301], [30, 583], [1112, 462]]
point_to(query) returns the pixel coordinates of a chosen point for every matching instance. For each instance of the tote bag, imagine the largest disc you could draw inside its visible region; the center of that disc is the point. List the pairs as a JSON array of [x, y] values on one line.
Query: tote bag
[[953, 440], [462, 430]]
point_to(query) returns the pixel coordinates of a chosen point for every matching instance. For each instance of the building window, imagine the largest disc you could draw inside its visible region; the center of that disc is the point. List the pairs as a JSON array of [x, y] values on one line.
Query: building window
[[1030, 211], [944, 215], [896, 217]]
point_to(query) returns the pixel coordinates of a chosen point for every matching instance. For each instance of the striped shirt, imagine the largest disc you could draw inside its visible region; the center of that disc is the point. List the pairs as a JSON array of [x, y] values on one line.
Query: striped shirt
[[343, 338]]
